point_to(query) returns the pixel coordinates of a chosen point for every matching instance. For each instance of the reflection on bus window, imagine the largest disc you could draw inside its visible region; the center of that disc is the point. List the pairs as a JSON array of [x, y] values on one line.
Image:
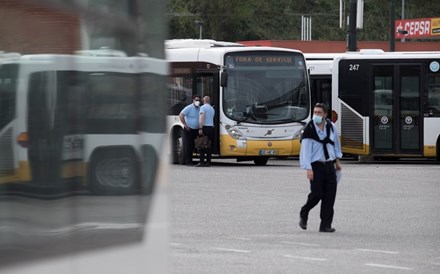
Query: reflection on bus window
[[77, 126], [433, 102]]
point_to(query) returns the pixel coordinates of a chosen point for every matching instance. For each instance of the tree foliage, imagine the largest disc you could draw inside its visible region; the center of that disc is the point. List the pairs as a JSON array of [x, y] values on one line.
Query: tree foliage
[[234, 20]]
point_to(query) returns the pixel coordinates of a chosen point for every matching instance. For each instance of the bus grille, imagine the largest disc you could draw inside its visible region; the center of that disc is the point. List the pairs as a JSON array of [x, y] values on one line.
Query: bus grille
[[352, 129], [6, 154]]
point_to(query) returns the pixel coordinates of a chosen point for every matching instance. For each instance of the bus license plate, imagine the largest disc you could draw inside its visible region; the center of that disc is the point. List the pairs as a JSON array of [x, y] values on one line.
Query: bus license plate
[[268, 152]]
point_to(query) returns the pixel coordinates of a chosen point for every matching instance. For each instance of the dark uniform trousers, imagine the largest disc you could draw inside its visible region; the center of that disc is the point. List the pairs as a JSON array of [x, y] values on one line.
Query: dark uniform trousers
[[206, 154], [323, 188], [188, 144]]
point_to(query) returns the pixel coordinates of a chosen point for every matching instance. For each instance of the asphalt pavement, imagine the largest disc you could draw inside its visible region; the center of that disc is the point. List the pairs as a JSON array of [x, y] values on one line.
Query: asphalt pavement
[[241, 218]]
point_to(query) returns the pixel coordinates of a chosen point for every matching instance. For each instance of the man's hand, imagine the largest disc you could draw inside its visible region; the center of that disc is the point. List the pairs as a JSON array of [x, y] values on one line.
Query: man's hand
[[338, 164], [310, 174]]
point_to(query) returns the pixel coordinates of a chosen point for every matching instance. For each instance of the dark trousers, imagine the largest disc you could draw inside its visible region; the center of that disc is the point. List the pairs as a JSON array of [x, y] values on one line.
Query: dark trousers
[[207, 153], [323, 188], [188, 144]]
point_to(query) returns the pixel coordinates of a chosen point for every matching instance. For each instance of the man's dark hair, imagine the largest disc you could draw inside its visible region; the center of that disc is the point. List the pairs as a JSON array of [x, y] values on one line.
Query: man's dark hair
[[321, 105], [196, 96]]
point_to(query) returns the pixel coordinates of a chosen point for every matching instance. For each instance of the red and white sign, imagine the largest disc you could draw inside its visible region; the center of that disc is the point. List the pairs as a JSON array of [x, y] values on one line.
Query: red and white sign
[[417, 28]]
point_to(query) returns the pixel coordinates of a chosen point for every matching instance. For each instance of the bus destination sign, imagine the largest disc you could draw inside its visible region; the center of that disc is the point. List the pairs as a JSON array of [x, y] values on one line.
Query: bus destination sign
[[257, 60]]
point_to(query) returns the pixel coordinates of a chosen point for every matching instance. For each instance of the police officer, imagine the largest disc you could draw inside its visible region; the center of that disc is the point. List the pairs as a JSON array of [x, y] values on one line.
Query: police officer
[[319, 156]]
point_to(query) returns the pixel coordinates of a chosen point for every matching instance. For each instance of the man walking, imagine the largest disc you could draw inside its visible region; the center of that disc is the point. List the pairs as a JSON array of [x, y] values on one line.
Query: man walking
[[319, 156]]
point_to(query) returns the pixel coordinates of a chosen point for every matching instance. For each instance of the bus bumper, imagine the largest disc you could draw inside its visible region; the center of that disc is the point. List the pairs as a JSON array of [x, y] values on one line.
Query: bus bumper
[[236, 147]]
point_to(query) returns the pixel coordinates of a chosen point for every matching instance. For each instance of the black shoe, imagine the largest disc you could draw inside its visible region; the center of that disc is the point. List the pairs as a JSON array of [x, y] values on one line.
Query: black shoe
[[207, 165], [200, 165], [327, 229], [302, 223], [189, 165]]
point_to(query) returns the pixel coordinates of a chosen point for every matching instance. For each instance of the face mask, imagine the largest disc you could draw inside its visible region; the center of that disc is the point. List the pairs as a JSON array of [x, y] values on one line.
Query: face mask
[[197, 103], [317, 119]]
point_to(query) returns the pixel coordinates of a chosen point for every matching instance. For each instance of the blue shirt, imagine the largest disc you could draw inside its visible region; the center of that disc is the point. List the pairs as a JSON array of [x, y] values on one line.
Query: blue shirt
[[191, 114], [312, 151], [209, 112]]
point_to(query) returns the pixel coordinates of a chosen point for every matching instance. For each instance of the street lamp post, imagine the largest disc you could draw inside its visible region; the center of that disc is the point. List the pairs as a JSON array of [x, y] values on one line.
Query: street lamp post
[[352, 39], [392, 18], [200, 25]]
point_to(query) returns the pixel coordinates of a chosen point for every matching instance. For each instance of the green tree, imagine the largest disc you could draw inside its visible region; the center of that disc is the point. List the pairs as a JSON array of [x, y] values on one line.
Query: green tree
[[234, 20]]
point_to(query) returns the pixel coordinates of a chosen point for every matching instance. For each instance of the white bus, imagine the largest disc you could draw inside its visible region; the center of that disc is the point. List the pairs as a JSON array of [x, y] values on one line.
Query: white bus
[[82, 166], [319, 66], [260, 94], [388, 104], [78, 118]]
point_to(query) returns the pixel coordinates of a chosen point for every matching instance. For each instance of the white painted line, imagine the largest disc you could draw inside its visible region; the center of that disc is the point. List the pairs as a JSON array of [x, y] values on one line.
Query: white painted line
[[298, 243], [306, 258], [231, 250], [175, 244], [377, 251], [243, 238], [390, 266]]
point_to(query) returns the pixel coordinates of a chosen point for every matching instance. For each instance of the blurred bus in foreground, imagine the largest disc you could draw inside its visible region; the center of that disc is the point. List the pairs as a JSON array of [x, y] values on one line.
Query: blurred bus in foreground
[[82, 187], [261, 96]]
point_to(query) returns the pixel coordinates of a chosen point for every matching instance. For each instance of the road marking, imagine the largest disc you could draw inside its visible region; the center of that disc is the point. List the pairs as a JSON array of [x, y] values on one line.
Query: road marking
[[306, 258], [377, 251], [243, 238], [231, 250], [390, 266], [175, 244], [298, 243]]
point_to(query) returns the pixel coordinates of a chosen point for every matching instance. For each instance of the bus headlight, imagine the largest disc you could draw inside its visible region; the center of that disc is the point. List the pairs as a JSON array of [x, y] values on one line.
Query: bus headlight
[[235, 133], [299, 133]]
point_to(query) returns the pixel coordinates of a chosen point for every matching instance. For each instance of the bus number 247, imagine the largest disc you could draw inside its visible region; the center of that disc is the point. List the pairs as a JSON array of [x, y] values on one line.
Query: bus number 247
[[353, 67]]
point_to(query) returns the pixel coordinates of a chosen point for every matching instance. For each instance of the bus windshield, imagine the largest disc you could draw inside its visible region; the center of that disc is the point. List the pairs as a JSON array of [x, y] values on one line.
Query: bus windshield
[[266, 87]]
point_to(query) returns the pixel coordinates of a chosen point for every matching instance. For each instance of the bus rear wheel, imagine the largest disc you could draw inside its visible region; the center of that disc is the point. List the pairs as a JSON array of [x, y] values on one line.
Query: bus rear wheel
[[113, 172], [261, 161]]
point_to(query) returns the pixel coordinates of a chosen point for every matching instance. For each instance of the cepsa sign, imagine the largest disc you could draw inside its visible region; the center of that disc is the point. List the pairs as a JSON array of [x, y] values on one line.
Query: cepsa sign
[[417, 28]]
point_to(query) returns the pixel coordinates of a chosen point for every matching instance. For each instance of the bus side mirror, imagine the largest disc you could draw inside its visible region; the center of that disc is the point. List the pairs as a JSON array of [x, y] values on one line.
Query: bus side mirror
[[224, 79]]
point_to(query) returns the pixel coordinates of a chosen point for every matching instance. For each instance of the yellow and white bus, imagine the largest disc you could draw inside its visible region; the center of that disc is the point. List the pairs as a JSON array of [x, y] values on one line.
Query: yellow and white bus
[[84, 119], [82, 166], [388, 104], [261, 96]]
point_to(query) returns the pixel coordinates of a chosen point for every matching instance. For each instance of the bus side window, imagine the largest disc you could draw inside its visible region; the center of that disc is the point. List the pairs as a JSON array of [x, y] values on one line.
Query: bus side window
[[433, 102]]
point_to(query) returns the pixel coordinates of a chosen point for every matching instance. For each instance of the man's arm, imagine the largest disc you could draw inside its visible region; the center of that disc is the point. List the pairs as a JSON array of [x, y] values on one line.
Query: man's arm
[[305, 157], [338, 151], [182, 119]]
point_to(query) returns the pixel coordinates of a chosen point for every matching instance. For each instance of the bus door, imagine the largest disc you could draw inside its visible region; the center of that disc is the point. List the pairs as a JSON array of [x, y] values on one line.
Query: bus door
[[207, 84], [397, 113], [8, 83], [321, 89], [44, 129]]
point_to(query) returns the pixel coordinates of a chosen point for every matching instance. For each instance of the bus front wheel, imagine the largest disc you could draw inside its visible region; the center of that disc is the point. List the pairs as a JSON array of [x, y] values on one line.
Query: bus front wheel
[[113, 171], [177, 146], [261, 161]]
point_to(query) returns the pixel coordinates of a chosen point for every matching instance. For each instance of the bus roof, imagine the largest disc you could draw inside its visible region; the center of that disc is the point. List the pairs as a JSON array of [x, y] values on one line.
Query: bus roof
[[134, 64], [200, 43], [389, 55]]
